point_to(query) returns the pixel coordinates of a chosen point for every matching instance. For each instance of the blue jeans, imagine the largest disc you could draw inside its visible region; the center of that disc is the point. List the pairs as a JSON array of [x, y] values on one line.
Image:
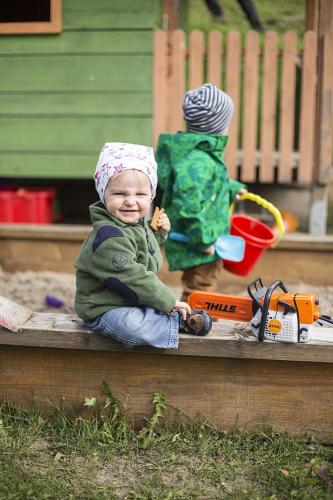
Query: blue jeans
[[134, 326]]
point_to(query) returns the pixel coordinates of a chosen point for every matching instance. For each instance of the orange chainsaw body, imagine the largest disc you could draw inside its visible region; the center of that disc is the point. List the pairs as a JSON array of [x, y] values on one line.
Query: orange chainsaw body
[[239, 308]]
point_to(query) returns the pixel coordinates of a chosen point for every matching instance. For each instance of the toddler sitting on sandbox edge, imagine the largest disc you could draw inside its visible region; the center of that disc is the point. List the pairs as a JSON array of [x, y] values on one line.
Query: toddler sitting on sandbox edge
[[118, 292]]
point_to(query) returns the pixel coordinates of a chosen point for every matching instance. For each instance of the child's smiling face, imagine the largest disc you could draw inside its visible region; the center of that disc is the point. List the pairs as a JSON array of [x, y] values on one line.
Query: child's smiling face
[[128, 196]]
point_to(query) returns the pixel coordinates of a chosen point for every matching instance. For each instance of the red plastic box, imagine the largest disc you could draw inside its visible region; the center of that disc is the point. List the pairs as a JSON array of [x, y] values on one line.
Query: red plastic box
[[32, 206]]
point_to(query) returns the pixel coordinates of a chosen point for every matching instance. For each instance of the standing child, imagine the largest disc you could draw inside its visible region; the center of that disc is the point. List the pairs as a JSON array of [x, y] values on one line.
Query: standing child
[[118, 293], [197, 191]]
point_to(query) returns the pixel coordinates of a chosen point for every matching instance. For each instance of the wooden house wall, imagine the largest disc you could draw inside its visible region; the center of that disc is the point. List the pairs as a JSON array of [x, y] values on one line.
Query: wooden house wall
[[62, 96]]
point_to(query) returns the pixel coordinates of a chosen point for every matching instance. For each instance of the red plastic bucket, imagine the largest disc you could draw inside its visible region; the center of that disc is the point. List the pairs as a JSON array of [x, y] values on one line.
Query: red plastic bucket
[[258, 237]]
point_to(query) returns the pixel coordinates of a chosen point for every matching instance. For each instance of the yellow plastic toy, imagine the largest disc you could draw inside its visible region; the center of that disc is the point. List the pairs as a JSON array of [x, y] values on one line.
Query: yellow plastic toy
[[271, 208]]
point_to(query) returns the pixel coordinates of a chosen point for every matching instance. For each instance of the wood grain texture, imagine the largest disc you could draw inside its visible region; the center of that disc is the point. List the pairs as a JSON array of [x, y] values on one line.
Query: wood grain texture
[[233, 78], [287, 107], [54, 247], [254, 394], [326, 109], [268, 113], [307, 132], [67, 331], [177, 80], [196, 59], [214, 54], [250, 107]]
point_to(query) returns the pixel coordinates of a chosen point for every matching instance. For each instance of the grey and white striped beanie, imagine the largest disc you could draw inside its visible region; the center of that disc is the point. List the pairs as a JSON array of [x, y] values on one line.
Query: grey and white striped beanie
[[207, 109]]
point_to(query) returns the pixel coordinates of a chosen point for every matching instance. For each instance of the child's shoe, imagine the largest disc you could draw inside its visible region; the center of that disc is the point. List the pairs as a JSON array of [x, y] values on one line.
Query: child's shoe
[[197, 323]]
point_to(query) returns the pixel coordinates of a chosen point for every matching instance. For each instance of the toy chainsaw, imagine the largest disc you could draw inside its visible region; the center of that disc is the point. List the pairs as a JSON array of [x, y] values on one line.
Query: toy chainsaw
[[274, 313]]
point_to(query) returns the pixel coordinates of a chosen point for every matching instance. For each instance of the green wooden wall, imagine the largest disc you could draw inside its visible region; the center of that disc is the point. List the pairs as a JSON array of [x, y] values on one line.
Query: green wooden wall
[[62, 96]]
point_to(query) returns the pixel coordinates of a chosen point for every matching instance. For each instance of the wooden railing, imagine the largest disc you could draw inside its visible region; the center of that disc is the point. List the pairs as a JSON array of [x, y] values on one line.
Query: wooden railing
[[282, 126]]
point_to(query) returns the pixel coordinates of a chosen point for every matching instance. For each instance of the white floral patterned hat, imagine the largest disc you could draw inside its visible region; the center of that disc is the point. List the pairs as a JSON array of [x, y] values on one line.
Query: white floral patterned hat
[[115, 157]]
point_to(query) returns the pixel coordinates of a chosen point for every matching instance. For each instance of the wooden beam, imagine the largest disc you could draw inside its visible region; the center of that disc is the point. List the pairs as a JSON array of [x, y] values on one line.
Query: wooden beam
[[171, 14], [311, 15], [67, 331], [255, 394]]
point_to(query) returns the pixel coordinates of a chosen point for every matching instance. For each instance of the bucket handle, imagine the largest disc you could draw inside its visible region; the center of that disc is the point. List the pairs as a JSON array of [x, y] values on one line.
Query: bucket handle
[[271, 208]]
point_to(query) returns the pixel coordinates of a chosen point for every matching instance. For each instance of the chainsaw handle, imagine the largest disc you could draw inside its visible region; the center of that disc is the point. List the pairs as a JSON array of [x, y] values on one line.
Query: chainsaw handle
[[265, 306], [250, 286]]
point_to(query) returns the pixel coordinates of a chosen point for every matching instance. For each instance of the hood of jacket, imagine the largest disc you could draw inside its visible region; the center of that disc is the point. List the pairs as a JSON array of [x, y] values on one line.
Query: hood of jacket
[[174, 147]]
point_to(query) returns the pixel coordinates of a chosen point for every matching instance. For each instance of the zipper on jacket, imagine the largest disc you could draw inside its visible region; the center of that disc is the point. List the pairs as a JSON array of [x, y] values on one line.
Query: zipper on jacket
[[151, 248]]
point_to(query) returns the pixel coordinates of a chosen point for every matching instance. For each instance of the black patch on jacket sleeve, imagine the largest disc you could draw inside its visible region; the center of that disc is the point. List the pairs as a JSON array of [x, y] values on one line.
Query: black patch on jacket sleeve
[[104, 233], [116, 286]]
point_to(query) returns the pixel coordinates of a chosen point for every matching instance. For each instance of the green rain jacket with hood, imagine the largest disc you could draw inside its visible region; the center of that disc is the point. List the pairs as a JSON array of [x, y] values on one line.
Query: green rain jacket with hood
[[117, 267], [197, 194]]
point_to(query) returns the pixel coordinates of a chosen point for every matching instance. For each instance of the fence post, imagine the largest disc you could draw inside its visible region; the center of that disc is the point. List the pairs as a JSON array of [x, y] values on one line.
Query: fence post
[[307, 129], [196, 59], [160, 93], [177, 80], [268, 111], [233, 79], [250, 107], [325, 107]]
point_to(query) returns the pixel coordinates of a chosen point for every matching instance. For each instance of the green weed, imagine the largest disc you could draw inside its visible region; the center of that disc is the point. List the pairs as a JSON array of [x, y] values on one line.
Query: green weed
[[102, 457]]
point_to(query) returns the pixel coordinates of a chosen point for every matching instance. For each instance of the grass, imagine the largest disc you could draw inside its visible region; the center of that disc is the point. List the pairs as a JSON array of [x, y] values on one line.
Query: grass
[[101, 457], [279, 16]]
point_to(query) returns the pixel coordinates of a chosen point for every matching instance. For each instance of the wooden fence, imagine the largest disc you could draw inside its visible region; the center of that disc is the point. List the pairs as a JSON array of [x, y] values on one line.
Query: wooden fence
[[281, 131]]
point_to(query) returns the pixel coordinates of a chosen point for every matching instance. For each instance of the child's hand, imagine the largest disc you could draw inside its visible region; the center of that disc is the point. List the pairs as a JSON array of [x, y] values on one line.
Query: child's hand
[[163, 223], [240, 192], [183, 308], [210, 250]]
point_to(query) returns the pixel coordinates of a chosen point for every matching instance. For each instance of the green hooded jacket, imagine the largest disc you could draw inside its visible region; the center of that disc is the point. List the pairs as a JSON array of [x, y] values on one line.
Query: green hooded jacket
[[117, 267], [197, 194]]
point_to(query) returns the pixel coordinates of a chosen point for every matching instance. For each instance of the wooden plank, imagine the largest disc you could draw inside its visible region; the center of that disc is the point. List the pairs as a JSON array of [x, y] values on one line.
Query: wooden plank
[[71, 134], [82, 14], [250, 107], [79, 103], [215, 54], [326, 112], [60, 164], [287, 108], [160, 89], [325, 18], [268, 113], [311, 17], [233, 72], [79, 42], [75, 73], [307, 132], [177, 80], [252, 394], [45, 232], [77, 232], [54, 247], [67, 331], [196, 59]]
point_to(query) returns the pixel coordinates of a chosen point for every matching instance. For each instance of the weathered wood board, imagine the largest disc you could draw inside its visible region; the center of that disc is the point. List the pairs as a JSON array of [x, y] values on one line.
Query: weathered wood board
[[298, 257], [227, 377]]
